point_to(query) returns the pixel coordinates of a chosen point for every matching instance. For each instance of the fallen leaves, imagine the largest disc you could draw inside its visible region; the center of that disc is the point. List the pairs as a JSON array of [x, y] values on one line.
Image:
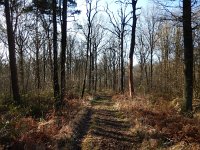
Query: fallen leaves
[[27, 132], [160, 122]]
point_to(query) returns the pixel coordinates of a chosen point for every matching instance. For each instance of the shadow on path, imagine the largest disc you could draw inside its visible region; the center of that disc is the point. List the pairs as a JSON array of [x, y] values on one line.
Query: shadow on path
[[108, 128]]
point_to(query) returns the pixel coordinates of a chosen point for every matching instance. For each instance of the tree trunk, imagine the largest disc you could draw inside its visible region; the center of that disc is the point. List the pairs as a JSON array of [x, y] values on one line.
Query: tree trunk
[[86, 64], [12, 57], [188, 56], [151, 68], [37, 64], [114, 72], [55, 59], [131, 87], [63, 51], [122, 62], [21, 69], [95, 66], [88, 50], [37, 46], [44, 64], [90, 68]]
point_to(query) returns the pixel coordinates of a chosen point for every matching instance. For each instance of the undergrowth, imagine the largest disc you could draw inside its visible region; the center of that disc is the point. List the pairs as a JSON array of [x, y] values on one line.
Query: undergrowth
[[34, 124], [157, 123]]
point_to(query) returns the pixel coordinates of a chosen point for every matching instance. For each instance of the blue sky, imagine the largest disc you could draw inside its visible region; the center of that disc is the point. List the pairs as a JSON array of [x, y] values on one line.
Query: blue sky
[[142, 3], [81, 4], [102, 3]]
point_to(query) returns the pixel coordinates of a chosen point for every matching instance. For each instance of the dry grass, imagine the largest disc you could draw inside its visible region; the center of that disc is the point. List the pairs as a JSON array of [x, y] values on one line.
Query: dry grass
[[23, 132], [157, 123]]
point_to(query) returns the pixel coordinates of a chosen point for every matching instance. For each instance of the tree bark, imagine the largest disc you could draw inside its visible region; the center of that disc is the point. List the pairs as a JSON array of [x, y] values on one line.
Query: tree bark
[[37, 46], [55, 55], [122, 60], [63, 51], [12, 56], [88, 50], [37, 75], [188, 56], [131, 87], [21, 69]]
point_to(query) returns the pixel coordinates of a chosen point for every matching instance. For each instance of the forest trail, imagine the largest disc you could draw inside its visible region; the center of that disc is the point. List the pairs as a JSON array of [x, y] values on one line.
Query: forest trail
[[108, 128]]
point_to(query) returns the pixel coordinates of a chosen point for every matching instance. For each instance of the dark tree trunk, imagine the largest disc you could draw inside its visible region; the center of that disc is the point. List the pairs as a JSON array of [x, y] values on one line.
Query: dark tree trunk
[[131, 87], [44, 64], [122, 61], [188, 56], [12, 57], [37, 65], [55, 59], [90, 68], [37, 46], [88, 50], [63, 51], [86, 66], [114, 72], [95, 66], [21, 69], [50, 55], [151, 68]]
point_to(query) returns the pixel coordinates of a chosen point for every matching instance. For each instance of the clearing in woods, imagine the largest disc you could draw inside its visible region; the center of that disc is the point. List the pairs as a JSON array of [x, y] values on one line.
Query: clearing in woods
[[108, 128]]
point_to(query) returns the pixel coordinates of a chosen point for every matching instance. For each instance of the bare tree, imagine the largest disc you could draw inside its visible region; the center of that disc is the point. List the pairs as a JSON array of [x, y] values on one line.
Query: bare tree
[[12, 57], [188, 56], [63, 50], [91, 13], [55, 55], [132, 47], [119, 23]]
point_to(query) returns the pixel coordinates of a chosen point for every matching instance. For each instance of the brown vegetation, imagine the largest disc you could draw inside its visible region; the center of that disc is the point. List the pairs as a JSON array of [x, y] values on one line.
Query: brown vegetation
[[42, 130], [158, 124]]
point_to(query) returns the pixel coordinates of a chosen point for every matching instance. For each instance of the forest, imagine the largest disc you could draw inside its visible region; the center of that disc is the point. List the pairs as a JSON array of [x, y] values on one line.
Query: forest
[[99, 74]]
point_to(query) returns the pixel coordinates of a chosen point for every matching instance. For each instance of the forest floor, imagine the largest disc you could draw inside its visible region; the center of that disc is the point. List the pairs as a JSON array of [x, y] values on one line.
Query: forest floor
[[156, 122], [121, 123], [109, 129], [100, 123]]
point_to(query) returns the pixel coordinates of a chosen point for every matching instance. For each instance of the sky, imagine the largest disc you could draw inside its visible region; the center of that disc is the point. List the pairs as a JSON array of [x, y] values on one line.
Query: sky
[[81, 4]]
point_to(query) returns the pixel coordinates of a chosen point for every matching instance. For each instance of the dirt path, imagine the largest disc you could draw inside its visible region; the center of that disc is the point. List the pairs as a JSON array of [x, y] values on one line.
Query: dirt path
[[108, 128]]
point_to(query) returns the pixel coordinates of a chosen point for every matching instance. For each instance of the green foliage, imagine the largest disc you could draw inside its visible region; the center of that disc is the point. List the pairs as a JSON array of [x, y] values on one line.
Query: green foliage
[[37, 105], [7, 131], [12, 125]]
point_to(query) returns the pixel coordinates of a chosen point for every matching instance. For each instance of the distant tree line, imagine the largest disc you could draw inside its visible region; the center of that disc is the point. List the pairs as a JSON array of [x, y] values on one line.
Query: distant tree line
[[46, 54]]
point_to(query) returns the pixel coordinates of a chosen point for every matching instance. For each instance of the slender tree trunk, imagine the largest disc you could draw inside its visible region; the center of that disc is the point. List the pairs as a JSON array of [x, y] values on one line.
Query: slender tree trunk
[[85, 75], [37, 75], [114, 72], [50, 51], [50, 62], [151, 68], [90, 68], [55, 55], [63, 51], [188, 56], [88, 50], [86, 64], [37, 65], [122, 62], [146, 74], [44, 64], [21, 69], [131, 87], [12, 57], [95, 66]]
